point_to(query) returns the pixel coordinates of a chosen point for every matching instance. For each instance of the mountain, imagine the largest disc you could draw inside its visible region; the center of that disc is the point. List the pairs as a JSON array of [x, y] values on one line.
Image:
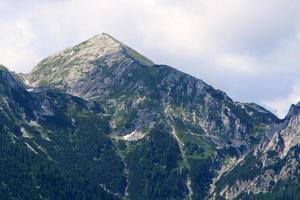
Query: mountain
[[52, 146], [271, 170], [69, 68], [101, 121], [139, 94]]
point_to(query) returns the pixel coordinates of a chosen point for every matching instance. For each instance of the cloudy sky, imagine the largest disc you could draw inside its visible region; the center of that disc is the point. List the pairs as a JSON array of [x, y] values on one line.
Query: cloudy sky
[[248, 48]]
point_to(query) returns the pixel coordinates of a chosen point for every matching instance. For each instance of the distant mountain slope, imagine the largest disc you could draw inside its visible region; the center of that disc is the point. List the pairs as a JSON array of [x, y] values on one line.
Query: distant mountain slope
[[271, 170], [56, 146], [158, 134], [138, 93], [139, 96], [51, 146]]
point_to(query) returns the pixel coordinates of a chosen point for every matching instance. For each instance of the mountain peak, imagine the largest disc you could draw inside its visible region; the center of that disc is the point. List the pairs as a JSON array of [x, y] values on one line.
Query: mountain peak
[[105, 36], [73, 64], [106, 44], [101, 45], [294, 110]]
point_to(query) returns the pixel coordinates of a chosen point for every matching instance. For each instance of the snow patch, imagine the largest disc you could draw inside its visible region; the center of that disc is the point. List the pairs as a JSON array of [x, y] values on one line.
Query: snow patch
[[45, 136], [134, 136], [73, 122], [27, 82], [32, 149], [34, 124], [25, 134]]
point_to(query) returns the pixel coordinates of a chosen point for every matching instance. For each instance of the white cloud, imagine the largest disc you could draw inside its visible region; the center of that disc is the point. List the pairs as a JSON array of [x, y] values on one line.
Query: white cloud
[[15, 40], [241, 64], [282, 104]]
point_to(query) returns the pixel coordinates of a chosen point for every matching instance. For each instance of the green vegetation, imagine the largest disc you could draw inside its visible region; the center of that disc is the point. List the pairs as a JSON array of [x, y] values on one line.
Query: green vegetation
[[25, 175], [199, 154], [71, 163], [57, 146], [138, 57], [153, 168], [246, 170]]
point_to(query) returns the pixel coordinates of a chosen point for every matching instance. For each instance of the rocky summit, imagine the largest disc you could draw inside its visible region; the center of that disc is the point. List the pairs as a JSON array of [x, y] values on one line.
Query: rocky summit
[[101, 121], [66, 69]]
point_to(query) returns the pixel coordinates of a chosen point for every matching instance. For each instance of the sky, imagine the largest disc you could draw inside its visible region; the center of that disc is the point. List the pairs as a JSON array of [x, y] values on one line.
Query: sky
[[248, 48]]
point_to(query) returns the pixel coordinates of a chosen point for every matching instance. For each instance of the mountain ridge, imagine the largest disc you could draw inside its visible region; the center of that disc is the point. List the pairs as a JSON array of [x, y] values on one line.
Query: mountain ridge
[[139, 130], [274, 165], [100, 47], [140, 97]]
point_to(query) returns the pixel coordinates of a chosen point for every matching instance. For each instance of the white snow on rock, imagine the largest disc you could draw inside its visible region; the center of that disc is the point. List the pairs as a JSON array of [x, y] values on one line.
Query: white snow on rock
[[32, 149], [25, 134], [45, 136], [134, 136], [34, 124]]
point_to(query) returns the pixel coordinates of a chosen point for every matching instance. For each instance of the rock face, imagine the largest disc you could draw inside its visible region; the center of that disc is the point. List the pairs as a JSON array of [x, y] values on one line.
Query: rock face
[[101, 121], [271, 170], [139, 94], [51, 142], [65, 70]]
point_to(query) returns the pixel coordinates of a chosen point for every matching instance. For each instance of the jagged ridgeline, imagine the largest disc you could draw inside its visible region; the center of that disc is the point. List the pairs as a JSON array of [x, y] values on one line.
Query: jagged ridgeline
[[101, 121], [272, 169]]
